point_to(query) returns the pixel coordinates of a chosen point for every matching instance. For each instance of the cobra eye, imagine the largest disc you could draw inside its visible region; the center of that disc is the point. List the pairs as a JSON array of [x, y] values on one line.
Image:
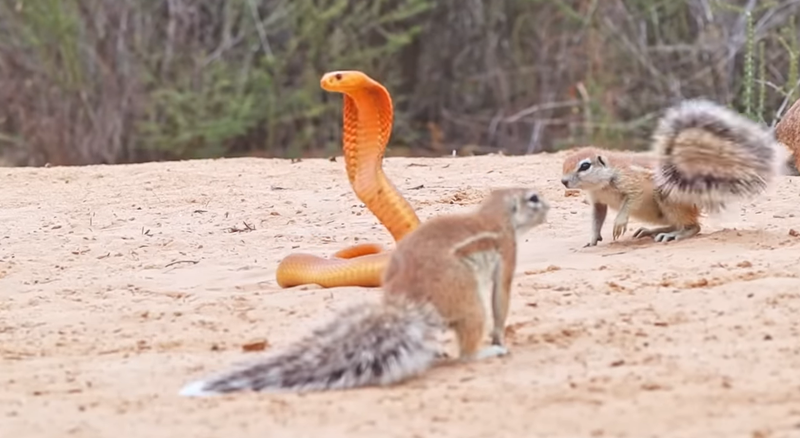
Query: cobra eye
[[338, 76], [584, 167], [534, 199]]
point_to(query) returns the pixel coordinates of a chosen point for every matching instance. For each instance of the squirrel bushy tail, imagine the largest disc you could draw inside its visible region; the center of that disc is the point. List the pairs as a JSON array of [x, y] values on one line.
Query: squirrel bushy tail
[[365, 344], [710, 155]]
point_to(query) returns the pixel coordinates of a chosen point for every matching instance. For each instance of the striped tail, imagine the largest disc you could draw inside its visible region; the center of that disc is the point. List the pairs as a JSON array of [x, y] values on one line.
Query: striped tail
[[369, 344], [711, 155]]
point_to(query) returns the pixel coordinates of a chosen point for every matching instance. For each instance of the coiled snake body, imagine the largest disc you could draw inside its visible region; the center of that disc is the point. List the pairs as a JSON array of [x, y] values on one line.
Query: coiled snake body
[[367, 125]]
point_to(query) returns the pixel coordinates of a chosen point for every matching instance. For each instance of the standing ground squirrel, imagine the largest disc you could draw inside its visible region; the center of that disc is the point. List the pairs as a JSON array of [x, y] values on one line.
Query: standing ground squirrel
[[704, 156], [437, 279], [787, 131]]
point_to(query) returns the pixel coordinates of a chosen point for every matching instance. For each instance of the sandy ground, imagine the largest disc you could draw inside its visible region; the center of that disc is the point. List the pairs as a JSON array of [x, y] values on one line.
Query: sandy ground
[[119, 284]]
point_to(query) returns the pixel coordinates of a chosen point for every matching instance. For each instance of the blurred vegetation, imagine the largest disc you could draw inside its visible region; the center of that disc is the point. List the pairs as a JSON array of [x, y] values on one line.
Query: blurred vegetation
[[111, 81]]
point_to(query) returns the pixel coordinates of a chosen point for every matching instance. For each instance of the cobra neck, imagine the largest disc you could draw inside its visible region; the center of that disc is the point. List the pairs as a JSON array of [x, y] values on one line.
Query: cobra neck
[[372, 126]]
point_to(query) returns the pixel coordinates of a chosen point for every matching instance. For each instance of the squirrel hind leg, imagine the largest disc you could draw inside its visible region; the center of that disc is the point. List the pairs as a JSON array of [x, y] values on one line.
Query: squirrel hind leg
[[667, 234], [793, 164], [649, 232], [469, 332], [678, 234], [683, 220]]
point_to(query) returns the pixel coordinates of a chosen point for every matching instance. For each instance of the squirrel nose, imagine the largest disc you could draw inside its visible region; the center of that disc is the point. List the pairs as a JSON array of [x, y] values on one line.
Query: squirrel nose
[[565, 181]]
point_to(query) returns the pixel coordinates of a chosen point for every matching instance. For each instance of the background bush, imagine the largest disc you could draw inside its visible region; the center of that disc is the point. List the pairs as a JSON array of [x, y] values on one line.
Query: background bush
[[111, 81]]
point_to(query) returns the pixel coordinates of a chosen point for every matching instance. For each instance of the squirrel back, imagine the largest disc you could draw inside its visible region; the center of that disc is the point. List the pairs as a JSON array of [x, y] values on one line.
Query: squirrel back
[[710, 155]]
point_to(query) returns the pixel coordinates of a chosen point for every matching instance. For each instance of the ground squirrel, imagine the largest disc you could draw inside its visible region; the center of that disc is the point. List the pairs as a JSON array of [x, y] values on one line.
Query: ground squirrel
[[437, 279], [704, 157], [787, 131]]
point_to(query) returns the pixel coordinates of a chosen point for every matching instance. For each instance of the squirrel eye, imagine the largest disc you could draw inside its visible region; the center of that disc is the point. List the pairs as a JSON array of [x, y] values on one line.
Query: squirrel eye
[[534, 199], [584, 166]]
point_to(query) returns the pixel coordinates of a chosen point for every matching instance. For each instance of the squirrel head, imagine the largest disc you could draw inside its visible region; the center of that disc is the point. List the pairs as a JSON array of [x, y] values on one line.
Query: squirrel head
[[586, 169], [526, 206]]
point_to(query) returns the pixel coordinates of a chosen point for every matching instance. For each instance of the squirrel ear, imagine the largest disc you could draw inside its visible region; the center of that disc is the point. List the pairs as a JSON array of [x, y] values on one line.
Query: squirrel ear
[[601, 160]]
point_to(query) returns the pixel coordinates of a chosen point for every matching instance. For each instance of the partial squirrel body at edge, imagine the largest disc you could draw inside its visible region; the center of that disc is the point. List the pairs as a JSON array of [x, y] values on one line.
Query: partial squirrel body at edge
[[434, 281], [787, 131], [704, 156]]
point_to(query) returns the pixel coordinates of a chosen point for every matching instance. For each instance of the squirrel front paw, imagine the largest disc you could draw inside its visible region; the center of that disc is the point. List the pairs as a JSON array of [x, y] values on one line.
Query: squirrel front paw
[[620, 226], [593, 241]]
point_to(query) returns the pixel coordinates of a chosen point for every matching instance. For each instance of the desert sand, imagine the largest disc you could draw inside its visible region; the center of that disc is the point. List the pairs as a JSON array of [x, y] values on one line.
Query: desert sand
[[119, 284]]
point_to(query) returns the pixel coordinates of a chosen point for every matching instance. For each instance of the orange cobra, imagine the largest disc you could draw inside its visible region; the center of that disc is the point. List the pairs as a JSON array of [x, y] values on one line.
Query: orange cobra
[[367, 125]]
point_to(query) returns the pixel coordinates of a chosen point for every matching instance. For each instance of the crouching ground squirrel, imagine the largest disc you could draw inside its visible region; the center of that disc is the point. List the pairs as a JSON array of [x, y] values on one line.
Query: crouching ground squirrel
[[704, 157], [437, 279]]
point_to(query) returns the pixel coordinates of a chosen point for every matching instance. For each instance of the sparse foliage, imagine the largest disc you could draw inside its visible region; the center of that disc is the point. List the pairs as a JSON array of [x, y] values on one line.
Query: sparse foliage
[[109, 81]]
